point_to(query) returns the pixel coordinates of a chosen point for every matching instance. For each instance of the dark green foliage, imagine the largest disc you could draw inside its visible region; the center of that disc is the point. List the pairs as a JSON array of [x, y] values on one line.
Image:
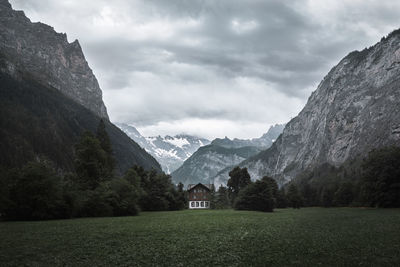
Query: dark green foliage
[[239, 179], [344, 195], [222, 200], [91, 162], [372, 181], [381, 178], [35, 193], [294, 197], [105, 144], [122, 197], [281, 200], [159, 193], [259, 196], [40, 121]]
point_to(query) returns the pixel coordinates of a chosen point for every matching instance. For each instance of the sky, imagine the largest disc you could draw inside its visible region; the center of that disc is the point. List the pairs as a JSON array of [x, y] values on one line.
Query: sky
[[213, 68]]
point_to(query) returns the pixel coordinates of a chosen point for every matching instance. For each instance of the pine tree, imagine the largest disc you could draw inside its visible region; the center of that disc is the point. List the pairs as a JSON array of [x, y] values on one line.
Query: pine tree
[[240, 178], [105, 144], [91, 162], [293, 196]]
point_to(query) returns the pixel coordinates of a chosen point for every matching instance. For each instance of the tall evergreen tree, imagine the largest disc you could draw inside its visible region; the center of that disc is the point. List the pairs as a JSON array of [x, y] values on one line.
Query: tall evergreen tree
[[240, 178], [294, 197], [257, 196], [91, 162], [105, 144]]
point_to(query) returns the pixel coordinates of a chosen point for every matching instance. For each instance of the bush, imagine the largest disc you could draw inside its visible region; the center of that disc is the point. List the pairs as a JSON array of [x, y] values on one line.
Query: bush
[[257, 196], [36, 194]]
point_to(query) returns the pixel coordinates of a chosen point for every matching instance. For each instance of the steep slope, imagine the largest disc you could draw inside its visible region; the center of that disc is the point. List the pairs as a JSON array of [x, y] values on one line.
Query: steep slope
[[49, 96], [35, 48], [207, 161], [354, 109], [222, 154], [170, 151], [265, 141], [40, 121]]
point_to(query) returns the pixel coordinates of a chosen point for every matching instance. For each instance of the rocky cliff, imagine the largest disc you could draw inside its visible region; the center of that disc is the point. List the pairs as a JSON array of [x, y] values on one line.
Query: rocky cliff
[[222, 154], [265, 141], [354, 109], [207, 161], [47, 56]]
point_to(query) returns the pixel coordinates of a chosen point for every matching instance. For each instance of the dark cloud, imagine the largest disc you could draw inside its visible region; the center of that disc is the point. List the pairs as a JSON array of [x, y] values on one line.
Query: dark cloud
[[215, 65]]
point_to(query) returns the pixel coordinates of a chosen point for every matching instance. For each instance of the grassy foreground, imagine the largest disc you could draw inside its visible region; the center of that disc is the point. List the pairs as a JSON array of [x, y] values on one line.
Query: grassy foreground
[[305, 237]]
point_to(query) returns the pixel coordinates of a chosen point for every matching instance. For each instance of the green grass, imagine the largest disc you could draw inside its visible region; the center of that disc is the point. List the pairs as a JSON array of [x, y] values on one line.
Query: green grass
[[305, 237]]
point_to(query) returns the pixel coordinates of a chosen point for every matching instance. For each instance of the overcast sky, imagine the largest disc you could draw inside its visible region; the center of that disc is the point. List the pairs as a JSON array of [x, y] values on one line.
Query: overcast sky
[[213, 68]]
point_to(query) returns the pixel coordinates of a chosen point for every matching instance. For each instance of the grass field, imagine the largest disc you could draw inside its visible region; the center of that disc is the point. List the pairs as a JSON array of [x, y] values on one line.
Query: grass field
[[305, 237]]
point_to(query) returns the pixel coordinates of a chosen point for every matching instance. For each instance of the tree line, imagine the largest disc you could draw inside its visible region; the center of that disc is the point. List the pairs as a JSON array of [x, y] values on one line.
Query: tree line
[[37, 191], [373, 181]]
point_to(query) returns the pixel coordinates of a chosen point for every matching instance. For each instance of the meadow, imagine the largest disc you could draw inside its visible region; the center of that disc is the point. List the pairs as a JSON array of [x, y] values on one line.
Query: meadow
[[286, 237]]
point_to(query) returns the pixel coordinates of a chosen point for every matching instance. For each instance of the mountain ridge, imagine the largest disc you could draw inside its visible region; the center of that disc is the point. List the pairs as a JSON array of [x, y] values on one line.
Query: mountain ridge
[[221, 154], [37, 49], [352, 111], [49, 97], [170, 151]]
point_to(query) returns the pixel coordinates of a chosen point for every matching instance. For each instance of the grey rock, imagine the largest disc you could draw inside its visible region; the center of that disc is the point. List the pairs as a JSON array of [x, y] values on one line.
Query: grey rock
[[35, 49], [222, 154], [354, 109], [170, 151]]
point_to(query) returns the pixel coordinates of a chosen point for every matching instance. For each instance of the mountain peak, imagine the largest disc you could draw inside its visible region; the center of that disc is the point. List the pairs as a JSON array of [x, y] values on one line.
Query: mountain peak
[[353, 110], [38, 51]]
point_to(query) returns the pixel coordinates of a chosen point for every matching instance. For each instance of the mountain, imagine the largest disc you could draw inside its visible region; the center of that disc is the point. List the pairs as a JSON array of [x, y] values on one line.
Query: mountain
[[207, 161], [170, 151], [48, 57], [265, 141], [49, 97], [222, 154], [354, 109]]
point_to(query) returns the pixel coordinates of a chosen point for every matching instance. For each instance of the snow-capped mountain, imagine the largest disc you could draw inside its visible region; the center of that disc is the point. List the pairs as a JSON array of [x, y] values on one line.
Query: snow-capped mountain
[[170, 151], [222, 154]]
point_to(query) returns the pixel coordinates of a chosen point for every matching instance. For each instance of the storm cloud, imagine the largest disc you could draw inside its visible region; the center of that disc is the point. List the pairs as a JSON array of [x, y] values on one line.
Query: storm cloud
[[213, 68]]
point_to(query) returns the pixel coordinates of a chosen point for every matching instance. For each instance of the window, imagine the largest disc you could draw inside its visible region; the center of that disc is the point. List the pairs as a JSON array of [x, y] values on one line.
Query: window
[[194, 196], [192, 204], [197, 203], [206, 204], [202, 204]]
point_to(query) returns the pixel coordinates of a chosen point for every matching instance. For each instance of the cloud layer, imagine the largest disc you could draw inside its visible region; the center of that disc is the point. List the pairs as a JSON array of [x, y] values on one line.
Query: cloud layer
[[213, 68]]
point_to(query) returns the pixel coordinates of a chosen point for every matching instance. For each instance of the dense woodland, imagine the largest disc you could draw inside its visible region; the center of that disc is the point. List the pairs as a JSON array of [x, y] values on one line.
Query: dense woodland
[[37, 191], [372, 181]]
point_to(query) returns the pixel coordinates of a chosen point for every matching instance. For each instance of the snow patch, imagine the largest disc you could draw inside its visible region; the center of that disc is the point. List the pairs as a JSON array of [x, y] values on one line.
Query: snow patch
[[179, 142]]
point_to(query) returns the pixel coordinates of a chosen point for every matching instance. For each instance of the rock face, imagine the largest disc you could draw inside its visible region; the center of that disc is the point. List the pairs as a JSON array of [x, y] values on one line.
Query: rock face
[[354, 109], [206, 162], [49, 97], [170, 151], [37, 50], [222, 154], [263, 142]]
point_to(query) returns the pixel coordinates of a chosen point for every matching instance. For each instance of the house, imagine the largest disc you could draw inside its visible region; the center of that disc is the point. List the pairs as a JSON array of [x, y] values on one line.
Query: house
[[199, 195]]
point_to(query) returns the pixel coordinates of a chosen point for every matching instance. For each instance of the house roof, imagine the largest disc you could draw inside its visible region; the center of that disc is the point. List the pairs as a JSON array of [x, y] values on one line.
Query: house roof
[[207, 186]]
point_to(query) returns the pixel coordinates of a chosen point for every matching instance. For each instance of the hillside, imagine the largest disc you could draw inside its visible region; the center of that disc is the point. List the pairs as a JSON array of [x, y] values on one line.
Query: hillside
[[207, 161], [49, 96], [40, 121], [222, 154], [354, 109], [170, 151]]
